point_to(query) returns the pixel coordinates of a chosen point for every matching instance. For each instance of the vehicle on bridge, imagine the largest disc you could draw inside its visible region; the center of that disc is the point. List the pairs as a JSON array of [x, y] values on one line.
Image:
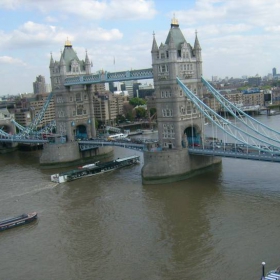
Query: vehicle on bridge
[[118, 136], [237, 150]]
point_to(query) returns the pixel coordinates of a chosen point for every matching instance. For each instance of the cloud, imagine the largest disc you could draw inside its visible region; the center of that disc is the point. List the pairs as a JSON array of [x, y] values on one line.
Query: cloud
[[89, 9], [252, 12], [11, 60], [30, 35], [100, 34]]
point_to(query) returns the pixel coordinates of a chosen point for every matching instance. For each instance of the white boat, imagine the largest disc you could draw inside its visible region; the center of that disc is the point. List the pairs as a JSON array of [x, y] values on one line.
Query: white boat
[[94, 169]]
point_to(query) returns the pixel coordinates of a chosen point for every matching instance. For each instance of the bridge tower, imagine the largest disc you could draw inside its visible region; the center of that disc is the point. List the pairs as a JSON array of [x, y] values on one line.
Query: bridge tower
[[73, 104], [74, 111], [179, 122]]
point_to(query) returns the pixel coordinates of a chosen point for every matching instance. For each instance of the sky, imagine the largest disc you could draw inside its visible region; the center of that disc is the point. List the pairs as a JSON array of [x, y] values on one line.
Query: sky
[[237, 37]]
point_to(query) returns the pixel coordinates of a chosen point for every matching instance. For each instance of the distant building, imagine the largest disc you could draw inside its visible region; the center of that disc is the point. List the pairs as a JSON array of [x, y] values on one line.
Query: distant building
[[39, 86], [274, 72], [254, 81], [107, 107], [29, 106], [145, 91], [112, 87]]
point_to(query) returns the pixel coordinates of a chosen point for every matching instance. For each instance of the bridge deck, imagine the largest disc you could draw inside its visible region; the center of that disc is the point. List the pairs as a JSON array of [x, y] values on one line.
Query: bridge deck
[[230, 154]]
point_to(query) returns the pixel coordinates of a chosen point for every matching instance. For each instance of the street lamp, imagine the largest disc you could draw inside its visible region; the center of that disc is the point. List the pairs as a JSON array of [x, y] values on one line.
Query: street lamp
[[263, 265]]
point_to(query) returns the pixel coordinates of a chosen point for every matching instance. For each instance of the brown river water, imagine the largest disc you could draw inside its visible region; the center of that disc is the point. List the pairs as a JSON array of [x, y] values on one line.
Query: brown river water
[[219, 225]]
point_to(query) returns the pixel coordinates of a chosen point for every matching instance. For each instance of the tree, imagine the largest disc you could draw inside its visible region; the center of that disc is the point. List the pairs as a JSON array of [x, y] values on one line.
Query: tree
[[128, 111], [140, 112], [137, 101]]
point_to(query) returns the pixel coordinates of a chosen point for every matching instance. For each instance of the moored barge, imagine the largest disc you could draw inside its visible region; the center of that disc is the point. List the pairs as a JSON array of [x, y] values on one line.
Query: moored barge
[[94, 169], [17, 221]]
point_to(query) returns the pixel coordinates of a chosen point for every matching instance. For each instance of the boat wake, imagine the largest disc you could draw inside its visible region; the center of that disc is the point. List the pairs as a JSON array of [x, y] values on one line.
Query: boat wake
[[35, 189]]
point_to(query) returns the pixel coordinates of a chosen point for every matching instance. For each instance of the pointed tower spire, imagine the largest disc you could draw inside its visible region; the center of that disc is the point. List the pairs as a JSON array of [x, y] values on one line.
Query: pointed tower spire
[[51, 61], [87, 59], [196, 42], [87, 64], [155, 46]]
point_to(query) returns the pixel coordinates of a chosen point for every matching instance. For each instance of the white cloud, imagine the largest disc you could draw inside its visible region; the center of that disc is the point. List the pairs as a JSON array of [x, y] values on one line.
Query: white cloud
[[11, 60], [89, 9], [100, 34], [252, 12]]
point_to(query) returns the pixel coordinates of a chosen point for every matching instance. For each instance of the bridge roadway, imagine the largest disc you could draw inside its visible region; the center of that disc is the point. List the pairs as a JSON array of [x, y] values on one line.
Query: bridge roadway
[[249, 154], [245, 154], [89, 144], [225, 150]]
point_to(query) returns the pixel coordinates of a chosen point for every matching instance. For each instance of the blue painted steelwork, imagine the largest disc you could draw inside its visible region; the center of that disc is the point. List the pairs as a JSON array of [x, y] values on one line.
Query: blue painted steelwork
[[15, 139], [231, 154], [29, 134], [247, 120], [228, 127], [106, 77], [87, 145], [19, 126], [38, 118], [49, 128], [5, 134]]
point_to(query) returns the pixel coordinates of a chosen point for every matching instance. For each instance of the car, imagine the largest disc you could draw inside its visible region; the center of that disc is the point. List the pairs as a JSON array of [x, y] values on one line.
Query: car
[[272, 148], [237, 150], [215, 145]]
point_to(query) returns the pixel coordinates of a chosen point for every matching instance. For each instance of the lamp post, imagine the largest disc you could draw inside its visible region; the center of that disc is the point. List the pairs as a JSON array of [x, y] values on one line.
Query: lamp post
[[263, 265]]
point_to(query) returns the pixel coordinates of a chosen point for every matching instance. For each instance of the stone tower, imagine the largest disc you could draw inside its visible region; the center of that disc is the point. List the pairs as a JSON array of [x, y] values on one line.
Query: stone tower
[[175, 113], [73, 104], [179, 122]]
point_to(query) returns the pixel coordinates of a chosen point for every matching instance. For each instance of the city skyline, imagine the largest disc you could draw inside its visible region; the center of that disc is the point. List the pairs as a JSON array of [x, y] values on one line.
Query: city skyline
[[237, 37]]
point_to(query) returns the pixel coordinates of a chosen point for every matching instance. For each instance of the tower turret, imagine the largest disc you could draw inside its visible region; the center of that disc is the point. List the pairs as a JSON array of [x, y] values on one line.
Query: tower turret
[[87, 64], [51, 62], [197, 48], [51, 66]]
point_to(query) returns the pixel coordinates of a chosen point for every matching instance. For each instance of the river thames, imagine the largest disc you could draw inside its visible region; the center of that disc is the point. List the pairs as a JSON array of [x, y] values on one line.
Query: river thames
[[219, 225]]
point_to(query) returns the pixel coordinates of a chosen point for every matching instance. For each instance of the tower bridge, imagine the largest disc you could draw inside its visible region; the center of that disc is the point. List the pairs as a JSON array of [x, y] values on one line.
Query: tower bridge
[[183, 149]]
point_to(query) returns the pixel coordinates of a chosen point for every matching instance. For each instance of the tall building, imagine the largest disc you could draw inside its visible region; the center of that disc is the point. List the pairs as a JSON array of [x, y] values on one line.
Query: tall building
[[39, 86], [177, 119], [274, 72], [129, 88], [107, 107]]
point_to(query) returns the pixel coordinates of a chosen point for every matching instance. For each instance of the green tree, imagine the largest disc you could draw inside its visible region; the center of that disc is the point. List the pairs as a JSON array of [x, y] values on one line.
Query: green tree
[[140, 112], [137, 101]]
